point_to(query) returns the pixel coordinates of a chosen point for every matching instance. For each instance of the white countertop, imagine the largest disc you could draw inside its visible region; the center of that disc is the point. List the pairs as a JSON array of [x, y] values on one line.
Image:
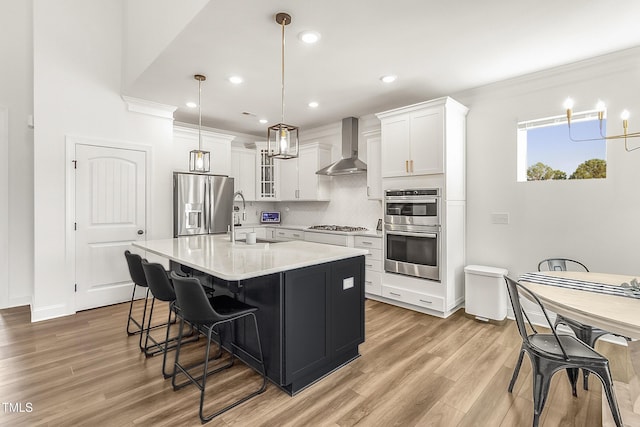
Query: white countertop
[[217, 256]]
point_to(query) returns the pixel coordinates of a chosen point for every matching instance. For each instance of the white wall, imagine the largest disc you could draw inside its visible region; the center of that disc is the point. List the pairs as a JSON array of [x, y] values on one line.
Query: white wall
[[77, 79], [16, 95], [595, 221]]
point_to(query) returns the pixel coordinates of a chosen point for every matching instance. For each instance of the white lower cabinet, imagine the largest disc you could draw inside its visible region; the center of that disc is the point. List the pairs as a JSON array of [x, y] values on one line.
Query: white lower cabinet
[[420, 299], [327, 238], [284, 234], [372, 263], [372, 282]]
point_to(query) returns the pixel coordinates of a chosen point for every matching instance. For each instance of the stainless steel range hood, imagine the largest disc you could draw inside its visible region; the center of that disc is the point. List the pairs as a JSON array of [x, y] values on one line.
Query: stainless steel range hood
[[349, 164]]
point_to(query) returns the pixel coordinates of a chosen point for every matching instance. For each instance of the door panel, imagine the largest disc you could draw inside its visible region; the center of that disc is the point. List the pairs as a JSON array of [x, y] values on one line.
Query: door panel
[[110, 212]]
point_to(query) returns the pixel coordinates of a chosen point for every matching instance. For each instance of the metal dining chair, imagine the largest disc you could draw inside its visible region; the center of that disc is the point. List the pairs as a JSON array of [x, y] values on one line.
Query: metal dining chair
[[209, 314], [585, 333], [550, 353]]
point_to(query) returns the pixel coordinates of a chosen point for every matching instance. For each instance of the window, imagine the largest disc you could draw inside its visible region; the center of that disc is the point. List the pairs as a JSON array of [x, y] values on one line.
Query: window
[[546, 152]]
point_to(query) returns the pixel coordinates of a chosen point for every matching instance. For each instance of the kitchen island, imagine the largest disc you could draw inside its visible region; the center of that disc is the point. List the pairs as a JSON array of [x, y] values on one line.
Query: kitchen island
[[310, 299]]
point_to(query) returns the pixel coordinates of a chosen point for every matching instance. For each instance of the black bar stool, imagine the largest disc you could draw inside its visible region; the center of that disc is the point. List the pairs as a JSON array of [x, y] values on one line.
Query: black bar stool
[[196, 308], [134, 262], [162, 290]]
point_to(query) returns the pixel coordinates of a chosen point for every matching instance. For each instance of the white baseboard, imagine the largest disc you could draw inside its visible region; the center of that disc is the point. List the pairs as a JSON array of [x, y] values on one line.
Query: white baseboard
[[49, 312]]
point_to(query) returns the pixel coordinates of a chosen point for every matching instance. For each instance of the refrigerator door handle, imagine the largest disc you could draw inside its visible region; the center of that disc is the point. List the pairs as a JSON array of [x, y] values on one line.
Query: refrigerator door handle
[[208, 212]]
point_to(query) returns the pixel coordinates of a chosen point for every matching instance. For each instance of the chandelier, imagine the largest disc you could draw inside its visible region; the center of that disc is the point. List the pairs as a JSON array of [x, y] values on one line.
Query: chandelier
[[601, 109]]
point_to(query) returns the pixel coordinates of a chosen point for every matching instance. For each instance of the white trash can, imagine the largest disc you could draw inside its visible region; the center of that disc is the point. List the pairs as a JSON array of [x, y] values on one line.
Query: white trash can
[[485, 292]]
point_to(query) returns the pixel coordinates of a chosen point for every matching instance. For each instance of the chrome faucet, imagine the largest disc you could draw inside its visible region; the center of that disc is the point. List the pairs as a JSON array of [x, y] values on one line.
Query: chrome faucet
[[244, 214]]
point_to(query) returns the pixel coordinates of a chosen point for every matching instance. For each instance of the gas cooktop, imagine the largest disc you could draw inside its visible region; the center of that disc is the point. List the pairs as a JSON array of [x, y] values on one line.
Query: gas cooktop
[[343, 228]]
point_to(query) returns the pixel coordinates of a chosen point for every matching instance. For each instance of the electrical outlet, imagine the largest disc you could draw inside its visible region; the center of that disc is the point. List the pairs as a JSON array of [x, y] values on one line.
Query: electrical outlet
[[500, 218]]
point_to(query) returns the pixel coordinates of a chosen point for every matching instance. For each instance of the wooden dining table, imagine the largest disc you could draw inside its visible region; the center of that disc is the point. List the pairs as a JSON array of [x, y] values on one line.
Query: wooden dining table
[[597, 304]]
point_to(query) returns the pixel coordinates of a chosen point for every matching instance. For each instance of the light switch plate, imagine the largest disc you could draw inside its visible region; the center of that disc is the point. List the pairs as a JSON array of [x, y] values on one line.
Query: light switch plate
[[347, 283]]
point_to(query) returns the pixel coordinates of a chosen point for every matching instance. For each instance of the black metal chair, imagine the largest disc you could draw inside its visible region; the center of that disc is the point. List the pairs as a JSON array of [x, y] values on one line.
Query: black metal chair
[[585, 333], [550, 353], [209, 313], [161, 288], [134, 262]]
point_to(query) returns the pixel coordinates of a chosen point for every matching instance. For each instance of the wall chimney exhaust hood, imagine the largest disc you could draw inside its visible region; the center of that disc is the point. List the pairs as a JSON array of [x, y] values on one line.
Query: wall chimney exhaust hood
[[349, 163]]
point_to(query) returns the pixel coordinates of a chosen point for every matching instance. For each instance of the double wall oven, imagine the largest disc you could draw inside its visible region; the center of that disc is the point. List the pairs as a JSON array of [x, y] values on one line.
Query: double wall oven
[[412, 232]]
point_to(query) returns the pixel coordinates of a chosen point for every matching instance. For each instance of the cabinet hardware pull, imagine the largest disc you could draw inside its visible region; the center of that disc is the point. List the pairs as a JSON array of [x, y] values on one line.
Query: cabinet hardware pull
[[367, 243], [368, 281], [411, 163], [393, 293], [368, 191], [296, 235], [426, 302], [406, 166], [368, 265]]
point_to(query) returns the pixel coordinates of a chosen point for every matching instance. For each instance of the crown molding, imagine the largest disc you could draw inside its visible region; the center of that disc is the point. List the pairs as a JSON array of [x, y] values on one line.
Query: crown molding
[[150, 108]]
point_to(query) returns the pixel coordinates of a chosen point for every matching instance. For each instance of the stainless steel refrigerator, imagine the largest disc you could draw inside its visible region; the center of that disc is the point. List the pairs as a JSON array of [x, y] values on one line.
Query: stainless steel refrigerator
[[202, 204]]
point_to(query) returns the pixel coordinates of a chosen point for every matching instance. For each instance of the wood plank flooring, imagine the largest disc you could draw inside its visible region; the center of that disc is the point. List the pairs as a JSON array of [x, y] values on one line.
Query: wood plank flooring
[[414, 370]]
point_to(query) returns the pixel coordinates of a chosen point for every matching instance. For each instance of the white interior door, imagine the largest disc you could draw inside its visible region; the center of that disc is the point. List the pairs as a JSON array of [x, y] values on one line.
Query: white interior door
[[110, 214]]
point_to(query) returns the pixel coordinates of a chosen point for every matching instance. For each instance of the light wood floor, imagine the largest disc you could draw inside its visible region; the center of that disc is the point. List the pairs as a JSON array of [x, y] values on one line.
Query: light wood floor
[[415, 370]]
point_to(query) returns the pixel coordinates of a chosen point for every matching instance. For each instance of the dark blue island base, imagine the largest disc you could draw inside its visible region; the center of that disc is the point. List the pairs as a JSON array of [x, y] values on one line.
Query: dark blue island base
[[311, 320]]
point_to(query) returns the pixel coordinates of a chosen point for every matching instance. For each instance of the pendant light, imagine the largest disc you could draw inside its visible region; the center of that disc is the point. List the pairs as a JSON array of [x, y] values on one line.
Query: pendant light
[[198, 159], [282, 139]]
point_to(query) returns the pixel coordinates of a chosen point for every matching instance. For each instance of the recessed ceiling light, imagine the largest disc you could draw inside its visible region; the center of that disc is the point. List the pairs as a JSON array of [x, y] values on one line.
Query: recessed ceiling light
[[236, 80], [263, 121], [389, 78], [191, 104], [313, 104], [309, 37]]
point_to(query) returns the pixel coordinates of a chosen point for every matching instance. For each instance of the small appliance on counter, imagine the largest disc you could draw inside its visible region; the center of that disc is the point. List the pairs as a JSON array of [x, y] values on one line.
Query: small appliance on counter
[[270, 217]]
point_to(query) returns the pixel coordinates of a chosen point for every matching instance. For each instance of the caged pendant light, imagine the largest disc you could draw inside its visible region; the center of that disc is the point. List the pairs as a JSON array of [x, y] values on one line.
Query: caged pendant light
[[282, 139], [199, 160]]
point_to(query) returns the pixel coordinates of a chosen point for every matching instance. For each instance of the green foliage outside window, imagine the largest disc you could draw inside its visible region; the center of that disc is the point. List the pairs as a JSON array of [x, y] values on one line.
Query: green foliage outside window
[[593, 168]]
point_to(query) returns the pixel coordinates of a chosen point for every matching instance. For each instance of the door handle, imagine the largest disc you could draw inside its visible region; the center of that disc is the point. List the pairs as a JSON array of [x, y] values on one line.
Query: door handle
[[140, 232]]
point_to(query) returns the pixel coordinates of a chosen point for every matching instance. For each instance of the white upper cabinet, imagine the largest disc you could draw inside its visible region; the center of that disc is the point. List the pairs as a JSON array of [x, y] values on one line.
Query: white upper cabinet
[[297, 177], [374, 159], [243, 171], [415, 139], [218, 144]]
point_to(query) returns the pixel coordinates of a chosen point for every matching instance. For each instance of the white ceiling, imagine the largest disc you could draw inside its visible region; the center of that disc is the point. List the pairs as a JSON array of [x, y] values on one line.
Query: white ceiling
[[435, 48]]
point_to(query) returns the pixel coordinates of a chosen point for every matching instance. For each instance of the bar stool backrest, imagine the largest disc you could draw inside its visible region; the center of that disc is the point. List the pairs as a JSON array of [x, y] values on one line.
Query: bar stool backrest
[[561, 264], [134, 262], [192, 299], [158, 281]]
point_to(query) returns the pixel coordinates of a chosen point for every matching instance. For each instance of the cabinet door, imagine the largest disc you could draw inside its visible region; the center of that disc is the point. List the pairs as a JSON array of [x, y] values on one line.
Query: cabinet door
[[374, 174], [243, 171], [306, 330], [288, 179], [395, 146], [265, 175], [427, 142], [347, 306], [220, 154]]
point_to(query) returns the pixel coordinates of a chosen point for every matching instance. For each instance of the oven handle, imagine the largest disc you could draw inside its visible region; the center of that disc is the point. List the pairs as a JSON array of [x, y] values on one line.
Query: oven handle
[[406, 233], [413, 199]]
